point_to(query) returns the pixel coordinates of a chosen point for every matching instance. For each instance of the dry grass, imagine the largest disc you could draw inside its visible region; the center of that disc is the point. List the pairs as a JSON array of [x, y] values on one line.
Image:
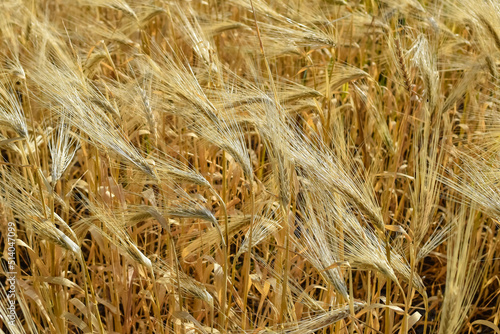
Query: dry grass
[[250, 166]]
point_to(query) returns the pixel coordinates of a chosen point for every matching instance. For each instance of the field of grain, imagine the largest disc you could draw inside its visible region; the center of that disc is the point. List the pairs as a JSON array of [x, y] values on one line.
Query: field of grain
[[250, 166]]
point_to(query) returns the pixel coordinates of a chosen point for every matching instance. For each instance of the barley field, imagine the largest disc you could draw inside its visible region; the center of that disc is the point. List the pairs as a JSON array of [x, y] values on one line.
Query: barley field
[[250, 166]]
